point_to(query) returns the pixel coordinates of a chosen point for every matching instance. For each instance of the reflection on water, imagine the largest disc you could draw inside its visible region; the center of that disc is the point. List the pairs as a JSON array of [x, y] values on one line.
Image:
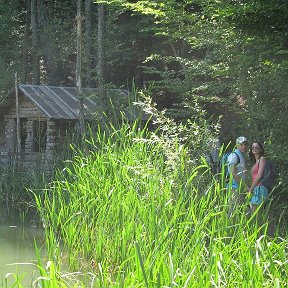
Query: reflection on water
[[17, 246]]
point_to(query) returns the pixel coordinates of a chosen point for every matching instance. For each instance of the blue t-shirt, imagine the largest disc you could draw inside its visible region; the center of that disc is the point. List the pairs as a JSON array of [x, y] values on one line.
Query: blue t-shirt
[[240, 166]]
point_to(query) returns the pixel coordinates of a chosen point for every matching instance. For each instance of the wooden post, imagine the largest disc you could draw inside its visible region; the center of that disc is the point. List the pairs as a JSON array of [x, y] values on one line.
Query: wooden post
[[18, 128]]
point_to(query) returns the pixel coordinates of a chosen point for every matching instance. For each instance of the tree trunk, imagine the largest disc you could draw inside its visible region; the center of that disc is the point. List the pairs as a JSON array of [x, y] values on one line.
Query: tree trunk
[[35, 44], [26, 42], [88, 32], [101, 28], [47, 43], [100, 60], [78, 68]]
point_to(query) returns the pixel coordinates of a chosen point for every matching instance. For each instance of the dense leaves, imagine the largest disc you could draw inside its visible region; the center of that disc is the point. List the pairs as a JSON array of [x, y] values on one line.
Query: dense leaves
[[231, 57]]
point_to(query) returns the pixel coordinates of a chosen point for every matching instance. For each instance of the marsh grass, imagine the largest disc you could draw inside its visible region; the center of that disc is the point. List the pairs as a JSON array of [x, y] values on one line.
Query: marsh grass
[[123, 213], [16, 198]]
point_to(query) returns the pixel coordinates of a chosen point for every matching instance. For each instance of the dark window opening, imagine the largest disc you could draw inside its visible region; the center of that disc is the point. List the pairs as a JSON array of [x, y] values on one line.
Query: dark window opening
[[2, 132], [23, 133], [39, 136]]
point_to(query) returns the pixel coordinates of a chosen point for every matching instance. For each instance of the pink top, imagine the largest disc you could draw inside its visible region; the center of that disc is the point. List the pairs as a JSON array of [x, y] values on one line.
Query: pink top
[[255, 169]]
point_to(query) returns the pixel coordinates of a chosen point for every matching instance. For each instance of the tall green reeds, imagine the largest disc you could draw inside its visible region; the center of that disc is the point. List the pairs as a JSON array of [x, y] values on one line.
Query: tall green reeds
[[122, 212], [15, 196]]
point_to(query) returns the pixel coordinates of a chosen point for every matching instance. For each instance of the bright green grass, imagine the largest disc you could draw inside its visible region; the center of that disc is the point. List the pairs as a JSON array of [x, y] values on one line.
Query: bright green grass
[[122, 215]]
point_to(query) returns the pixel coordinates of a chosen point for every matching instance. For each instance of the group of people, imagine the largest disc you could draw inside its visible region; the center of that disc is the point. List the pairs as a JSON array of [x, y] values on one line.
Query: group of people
[[256, 191]]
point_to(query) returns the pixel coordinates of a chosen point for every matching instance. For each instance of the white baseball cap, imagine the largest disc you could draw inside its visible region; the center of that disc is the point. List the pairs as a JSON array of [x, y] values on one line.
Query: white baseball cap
[[241, 140]]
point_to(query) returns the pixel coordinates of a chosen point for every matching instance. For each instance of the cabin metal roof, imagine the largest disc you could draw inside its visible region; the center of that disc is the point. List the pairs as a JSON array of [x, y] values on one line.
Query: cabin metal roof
[[59, 102]]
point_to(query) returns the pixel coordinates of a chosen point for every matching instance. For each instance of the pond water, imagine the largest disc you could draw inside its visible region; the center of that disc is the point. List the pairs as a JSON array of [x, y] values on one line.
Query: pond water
[[17, 252]]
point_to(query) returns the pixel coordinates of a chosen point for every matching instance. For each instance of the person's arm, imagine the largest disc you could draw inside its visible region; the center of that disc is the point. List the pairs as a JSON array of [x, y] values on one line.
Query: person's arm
[[260, 173], [233, 161], [235, 175]]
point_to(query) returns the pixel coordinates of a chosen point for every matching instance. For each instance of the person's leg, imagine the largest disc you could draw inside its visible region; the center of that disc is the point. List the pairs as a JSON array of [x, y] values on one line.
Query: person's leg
[[236, 201], [232, 201], [253, 207]]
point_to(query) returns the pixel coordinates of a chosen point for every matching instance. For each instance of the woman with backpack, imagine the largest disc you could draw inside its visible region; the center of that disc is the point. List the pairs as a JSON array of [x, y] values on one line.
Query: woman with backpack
[[258, 191]]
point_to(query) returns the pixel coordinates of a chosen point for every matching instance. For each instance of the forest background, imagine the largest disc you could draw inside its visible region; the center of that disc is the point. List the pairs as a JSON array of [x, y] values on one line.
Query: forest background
[[226, 61], [139, 213]]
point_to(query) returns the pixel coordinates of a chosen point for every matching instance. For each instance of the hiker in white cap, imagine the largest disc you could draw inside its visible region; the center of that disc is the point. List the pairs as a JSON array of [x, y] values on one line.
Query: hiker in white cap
[[237, 168]]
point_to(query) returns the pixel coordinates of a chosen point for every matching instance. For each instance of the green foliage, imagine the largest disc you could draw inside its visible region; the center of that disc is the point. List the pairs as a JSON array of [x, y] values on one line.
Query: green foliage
[[260, 68], [229, 57], [224, 54], [15, 196], [195, 134], [127, 215], [10, 16]]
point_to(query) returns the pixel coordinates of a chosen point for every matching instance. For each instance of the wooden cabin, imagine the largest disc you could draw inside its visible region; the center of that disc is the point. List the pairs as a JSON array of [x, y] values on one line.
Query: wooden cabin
[[34, 119]]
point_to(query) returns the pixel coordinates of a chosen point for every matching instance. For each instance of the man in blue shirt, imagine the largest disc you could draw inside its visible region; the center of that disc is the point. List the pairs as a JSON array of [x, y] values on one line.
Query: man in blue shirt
[[237, 168]]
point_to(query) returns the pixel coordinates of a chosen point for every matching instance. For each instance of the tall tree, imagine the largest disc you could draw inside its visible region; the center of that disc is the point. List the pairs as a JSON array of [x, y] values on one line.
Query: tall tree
[[88, 41], [35, 44], [101, 34], [100, 59], [26, 42], [78, 67], [46, 39]]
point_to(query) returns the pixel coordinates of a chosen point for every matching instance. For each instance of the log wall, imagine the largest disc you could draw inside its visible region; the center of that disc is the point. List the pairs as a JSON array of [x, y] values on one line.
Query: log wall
[[29, 157]]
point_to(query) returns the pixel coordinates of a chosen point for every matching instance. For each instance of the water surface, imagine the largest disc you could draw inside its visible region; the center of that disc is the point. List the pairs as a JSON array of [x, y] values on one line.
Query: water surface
[[17, 246]]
